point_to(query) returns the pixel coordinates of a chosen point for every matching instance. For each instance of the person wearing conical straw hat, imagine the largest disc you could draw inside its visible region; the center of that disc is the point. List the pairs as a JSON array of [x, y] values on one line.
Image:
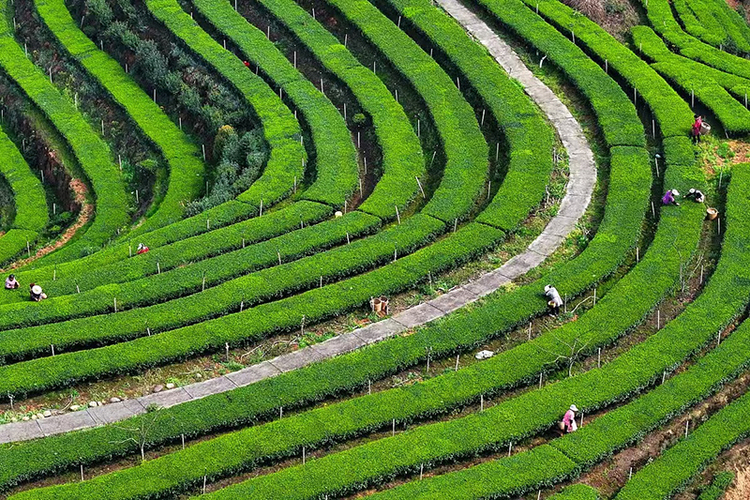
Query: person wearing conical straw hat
[[569, 420], [36, 293]]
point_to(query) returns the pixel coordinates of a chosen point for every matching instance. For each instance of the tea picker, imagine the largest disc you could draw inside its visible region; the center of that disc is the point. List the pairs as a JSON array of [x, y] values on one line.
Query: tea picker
[[555, 301]]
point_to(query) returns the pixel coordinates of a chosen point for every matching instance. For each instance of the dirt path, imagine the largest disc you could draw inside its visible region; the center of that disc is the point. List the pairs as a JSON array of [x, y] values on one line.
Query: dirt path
[[80, 190]]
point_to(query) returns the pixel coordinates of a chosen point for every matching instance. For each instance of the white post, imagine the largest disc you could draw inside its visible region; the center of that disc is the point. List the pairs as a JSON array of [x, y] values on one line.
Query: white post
[[599, 359], [420, 187], [457, 358], [481, 402]]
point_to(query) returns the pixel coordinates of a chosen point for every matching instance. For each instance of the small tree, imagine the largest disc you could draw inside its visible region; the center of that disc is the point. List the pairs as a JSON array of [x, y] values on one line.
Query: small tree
[[141, 433], [571, 352]]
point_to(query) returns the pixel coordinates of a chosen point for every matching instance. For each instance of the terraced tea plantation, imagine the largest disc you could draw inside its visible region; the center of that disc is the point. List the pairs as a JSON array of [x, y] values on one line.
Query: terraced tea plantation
[[301, 249]]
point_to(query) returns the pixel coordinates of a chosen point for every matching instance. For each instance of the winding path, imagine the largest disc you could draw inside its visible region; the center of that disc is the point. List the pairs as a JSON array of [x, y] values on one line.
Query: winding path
[[577, 197]]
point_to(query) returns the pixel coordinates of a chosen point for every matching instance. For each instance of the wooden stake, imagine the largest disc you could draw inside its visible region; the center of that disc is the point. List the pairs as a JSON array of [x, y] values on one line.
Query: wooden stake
[[420, 187]]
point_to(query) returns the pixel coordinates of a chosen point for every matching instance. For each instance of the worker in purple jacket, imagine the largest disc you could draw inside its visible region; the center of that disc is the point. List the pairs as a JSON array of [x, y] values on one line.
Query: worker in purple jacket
[[670, 197]]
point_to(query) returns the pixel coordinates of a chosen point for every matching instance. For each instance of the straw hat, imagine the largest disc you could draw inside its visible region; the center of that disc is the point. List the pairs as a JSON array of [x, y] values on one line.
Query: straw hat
[[547, 288], [574, 407], [36, 290], [675, 192]]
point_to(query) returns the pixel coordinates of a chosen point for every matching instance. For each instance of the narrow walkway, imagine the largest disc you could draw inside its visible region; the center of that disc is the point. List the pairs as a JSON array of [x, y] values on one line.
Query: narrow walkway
[[577, 197]]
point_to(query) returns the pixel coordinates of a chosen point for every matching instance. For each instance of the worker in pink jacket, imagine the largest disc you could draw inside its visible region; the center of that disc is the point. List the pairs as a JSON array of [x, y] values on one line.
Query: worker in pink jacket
[[569, 420]]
